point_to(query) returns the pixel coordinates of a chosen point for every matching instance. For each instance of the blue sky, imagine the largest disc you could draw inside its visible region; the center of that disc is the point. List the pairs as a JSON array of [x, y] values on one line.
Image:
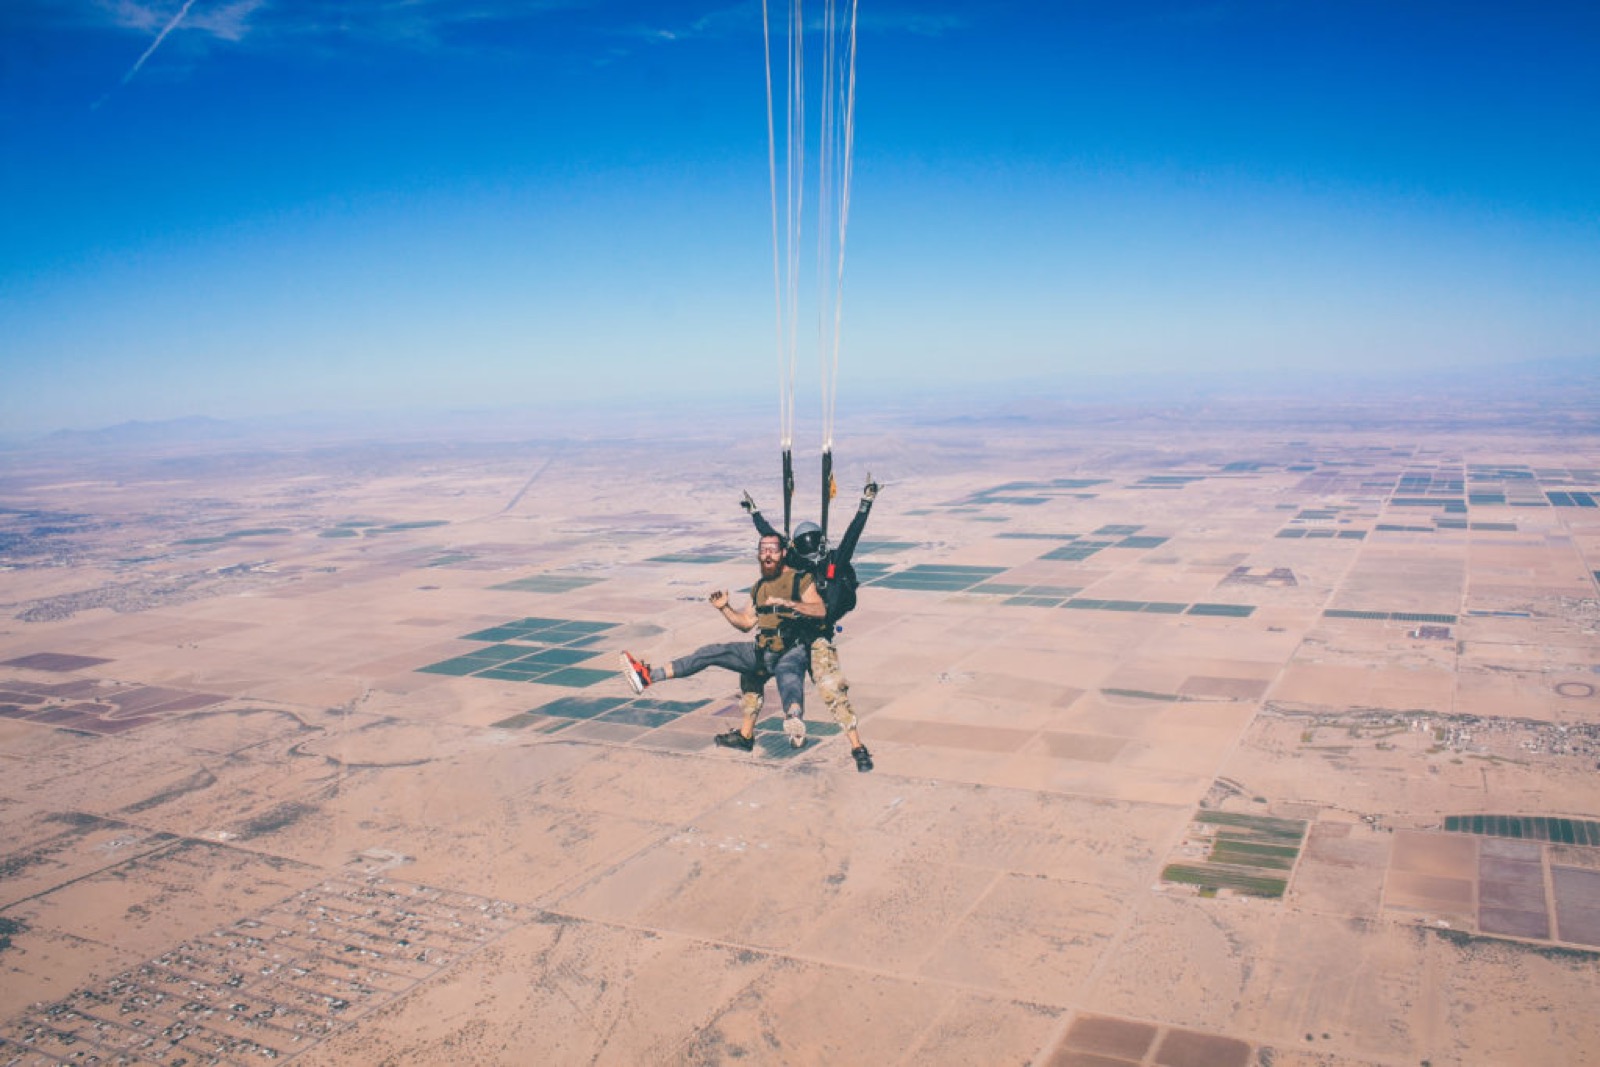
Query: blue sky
[[271, 206]]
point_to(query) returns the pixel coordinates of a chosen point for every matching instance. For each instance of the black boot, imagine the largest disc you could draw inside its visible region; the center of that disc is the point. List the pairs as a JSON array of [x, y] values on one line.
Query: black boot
[[734, 739]]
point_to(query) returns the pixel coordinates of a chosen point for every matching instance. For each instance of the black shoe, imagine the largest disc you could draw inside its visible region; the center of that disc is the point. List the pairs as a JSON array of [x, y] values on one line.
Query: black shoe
[[863, 758], [734, 739]]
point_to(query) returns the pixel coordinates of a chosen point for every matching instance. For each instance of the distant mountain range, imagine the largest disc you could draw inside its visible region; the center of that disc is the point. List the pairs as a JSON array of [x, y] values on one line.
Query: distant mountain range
[[1563, 388], [191, 429]]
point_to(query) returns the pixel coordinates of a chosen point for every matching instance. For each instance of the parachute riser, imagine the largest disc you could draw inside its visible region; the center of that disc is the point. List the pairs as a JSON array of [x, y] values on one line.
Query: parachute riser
[[788, 490], [827, 488]]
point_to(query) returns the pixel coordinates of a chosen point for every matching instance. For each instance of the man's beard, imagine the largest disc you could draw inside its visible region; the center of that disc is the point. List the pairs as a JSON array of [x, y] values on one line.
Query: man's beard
[[771, 568]]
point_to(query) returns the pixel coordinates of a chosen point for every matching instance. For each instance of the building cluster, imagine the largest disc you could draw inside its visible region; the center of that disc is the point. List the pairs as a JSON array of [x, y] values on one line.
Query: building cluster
[[270, 986], [1462, 735]]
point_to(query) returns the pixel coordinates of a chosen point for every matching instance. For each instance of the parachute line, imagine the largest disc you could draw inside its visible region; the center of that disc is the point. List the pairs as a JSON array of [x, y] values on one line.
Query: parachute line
[[784, 404], [838, 165], [836, 97]]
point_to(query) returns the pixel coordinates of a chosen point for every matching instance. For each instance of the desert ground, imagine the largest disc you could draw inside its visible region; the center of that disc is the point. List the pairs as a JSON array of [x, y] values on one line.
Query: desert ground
[[1198, 743]]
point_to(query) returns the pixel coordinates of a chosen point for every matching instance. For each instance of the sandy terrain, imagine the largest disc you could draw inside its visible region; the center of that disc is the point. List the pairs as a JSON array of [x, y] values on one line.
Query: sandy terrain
[[1194, 749]]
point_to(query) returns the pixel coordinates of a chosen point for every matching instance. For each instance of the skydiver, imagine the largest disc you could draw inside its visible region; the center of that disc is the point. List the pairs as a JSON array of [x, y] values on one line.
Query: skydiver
[[835, 582], [779, 603]]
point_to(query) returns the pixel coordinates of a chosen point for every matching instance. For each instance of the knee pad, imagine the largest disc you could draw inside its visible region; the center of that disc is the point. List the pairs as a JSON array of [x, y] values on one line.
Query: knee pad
[[836, 695], [833, 688]]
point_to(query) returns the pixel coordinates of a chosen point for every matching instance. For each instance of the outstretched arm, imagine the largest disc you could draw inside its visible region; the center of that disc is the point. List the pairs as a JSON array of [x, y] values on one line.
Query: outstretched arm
[[847, 543], [763, 527]]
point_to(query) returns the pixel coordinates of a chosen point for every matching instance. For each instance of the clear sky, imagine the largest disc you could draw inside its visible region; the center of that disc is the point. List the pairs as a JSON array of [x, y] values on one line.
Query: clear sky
[[239, 207]]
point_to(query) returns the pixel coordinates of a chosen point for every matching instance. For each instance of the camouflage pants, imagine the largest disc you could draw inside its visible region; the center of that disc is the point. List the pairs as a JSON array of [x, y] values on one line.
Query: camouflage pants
[[832, 687]]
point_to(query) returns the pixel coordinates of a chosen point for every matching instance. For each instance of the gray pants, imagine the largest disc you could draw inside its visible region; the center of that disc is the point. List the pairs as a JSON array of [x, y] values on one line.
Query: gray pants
[[754, 666]]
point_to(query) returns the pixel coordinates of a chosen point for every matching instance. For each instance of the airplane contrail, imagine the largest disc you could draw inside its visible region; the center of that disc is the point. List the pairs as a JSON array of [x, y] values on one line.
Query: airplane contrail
[[162, 36], [148, 52]]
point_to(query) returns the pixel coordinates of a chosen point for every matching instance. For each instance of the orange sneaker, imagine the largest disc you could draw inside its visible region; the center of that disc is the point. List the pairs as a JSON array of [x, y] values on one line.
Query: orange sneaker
[[637, 674]]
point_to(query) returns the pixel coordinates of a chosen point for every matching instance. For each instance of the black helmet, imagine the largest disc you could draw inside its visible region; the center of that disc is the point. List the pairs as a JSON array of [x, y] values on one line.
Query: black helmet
[[809, 544]]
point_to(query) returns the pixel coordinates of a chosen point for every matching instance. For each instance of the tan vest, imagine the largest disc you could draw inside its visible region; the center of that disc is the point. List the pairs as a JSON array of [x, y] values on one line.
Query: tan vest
[[769, 629]]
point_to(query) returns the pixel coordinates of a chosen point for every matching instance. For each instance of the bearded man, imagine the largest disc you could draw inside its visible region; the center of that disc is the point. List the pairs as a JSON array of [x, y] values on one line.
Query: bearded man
[[784, 611]]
